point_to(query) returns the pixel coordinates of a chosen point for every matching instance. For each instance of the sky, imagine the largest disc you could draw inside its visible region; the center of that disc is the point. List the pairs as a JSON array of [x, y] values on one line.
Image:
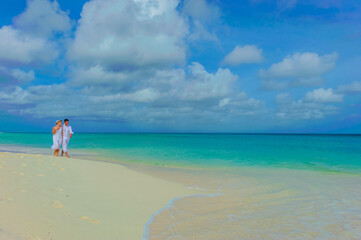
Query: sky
[[249, 66]]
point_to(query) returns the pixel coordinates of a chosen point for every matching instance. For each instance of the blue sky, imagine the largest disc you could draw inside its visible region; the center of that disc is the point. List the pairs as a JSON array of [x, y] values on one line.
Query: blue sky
[[181, 66]]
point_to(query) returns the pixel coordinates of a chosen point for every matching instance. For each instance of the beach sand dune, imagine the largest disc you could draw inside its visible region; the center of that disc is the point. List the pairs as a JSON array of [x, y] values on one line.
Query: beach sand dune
[[43, 197]]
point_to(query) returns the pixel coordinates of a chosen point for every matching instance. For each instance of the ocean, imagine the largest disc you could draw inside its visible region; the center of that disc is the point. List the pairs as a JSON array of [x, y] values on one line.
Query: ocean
[[252, 186], [296, 151]]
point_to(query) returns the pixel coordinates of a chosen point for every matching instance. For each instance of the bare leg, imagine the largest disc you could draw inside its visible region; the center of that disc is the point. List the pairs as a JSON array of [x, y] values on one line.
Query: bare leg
[[62, 153], [66, 153], [55, 152]]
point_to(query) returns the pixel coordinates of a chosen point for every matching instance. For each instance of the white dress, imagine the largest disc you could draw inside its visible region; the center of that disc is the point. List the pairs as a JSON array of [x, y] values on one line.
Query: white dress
[[57, 139]]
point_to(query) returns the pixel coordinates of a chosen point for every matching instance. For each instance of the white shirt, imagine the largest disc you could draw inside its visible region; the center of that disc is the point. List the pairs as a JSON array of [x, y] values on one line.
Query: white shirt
[[67, 131]]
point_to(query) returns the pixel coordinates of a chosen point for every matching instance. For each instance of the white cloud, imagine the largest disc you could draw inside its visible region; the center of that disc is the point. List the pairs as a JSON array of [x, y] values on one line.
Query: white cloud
[[23, 76], [323, 95], [127, 35], [29, 42], [200, 32], [354, 87], [143, 95], [201, 10], [241, 104], [203, 17], [17, 48], [154, 8], [192, 85], [43, 18], [14, 95], [301, 65], [299, 69], [315, 104], [168, 96], [139, 96], [201, 85], [40, 94], [242, 55], [97, 75]]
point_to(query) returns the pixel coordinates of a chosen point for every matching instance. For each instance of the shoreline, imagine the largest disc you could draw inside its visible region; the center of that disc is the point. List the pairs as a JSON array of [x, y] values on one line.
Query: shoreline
[[83, 154], [170, 204], [72, 198]]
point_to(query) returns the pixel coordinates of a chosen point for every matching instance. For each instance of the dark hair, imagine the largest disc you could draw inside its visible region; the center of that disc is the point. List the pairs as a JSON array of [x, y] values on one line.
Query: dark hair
[[66, 120]]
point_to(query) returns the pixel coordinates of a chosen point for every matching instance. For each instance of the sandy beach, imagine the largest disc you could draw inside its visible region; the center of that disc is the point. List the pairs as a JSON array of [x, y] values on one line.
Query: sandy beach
[[45, 197]]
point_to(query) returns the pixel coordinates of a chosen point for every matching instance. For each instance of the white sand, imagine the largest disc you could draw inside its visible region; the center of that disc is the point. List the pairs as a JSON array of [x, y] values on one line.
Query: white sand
[[44, 197]]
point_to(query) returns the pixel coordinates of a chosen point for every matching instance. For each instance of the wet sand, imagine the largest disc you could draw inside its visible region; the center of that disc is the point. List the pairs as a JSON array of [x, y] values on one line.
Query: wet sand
[[260, 203]]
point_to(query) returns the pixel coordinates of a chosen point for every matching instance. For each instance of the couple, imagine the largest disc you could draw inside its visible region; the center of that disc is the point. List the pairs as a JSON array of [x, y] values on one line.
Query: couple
[[61, 136]]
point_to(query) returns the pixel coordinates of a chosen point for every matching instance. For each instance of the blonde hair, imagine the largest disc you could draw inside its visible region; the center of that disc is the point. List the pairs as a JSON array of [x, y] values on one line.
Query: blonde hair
[[57, 121]]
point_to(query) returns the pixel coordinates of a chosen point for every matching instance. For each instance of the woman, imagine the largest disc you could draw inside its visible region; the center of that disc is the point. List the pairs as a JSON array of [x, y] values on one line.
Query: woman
[[57, 138]]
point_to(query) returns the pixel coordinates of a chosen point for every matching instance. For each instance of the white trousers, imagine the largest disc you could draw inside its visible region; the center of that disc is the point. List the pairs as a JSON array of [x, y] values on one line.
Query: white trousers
[[65, 144]]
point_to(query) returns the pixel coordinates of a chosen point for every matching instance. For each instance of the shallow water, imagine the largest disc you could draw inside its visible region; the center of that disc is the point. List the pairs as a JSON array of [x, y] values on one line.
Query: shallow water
[[257, 203], [316, 152]]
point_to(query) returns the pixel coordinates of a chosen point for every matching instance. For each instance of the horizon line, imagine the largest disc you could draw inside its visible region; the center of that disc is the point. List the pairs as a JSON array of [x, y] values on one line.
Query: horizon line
[[235, 133]]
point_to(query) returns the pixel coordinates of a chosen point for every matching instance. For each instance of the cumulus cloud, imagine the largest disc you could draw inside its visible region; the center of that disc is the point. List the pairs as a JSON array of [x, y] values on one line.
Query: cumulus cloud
[[128, 63], [315, 104], [173, 87], [139, 96], [43, 17], [15, 76], [23, 76], [203, 17], [301, 65], [33, 95], [29, 42], [18, 48], [132, 65], [200, 32], [127, 35], [98, 76], [299, 69], [323, 95], [242, 55], [14, 95], [354, 87], [201, 10], [201, 85], [170, 95]]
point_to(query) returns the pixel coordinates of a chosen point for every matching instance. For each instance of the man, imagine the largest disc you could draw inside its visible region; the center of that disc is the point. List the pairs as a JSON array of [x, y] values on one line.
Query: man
[[67, 133]]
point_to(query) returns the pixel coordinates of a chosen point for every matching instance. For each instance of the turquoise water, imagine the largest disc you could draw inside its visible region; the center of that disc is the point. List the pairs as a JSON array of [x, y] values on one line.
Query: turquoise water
[[319, 152]]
